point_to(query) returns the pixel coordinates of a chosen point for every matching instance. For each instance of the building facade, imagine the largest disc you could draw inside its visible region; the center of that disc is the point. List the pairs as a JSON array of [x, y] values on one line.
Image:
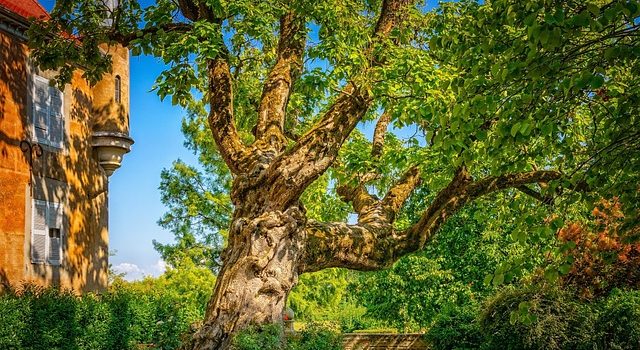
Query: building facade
[[57, 150]]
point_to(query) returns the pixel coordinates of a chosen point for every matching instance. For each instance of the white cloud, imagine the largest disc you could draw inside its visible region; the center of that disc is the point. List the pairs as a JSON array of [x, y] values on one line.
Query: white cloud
[[159, 267], [133, 272]]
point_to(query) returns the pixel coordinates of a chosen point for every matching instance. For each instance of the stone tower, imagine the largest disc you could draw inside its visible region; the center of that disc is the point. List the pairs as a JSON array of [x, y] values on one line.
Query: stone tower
[[111, 107]]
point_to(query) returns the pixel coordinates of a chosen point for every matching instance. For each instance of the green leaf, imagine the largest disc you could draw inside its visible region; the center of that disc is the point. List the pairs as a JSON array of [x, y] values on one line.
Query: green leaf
[[551, 275], [487, 279], [515, 128], [514, 317], [564, 269], [597, 81], [498, 279]]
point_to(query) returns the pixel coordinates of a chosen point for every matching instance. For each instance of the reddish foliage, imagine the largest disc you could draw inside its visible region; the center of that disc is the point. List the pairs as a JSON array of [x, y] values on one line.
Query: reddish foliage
[[603, 257]]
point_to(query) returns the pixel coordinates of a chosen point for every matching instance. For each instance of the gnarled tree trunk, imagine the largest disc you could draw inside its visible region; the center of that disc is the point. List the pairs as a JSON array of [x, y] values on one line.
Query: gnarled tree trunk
[[260, 267], [270, 241]]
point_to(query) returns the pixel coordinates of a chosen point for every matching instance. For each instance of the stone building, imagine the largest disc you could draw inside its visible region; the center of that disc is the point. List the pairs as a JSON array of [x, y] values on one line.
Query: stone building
[[57, 150]]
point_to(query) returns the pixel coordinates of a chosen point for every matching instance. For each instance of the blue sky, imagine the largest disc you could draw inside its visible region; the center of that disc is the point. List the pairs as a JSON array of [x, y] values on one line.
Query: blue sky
[[134, 198]]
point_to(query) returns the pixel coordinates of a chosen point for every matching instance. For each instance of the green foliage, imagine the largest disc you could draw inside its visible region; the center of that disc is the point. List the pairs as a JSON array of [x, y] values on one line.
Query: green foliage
[[456, 328], [327, 296], [13, 324], [315, 336], [49, 318], [198, 215], [449, 271], [535, 316], [618, 326], [188, 287], [267, 337]]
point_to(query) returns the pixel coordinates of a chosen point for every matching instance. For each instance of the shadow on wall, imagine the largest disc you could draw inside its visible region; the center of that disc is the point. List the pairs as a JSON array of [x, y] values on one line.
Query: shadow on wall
[[12, 71], [71, 176]]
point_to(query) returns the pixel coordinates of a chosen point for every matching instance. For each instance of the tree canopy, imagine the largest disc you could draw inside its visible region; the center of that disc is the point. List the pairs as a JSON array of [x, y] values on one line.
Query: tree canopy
[[539, 99]]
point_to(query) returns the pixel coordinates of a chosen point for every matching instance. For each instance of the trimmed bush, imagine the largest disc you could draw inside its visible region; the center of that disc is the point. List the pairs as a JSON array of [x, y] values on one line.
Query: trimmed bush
[[12, 323], [49, 318]]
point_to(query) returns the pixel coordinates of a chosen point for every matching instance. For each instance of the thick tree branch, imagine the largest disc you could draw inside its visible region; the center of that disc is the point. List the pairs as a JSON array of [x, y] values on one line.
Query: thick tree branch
[[357, 247], [221, 122], [278, 85], [372, 246], [316, 150], [376, 152], [391, 14], [379, 134], [462, 190], [400, 192], [358, 196], [195, 10]]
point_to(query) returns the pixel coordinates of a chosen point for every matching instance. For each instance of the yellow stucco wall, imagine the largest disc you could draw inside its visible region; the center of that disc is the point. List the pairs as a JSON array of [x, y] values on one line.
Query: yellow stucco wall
[[70, 176]]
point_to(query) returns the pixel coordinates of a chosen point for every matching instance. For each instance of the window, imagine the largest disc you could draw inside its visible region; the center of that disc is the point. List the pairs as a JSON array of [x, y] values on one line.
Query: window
[[48, 121], [46, 233], [118, 89]]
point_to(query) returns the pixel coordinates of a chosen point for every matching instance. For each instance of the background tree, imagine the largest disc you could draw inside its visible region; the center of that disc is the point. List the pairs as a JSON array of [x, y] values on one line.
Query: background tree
[[539, 97]]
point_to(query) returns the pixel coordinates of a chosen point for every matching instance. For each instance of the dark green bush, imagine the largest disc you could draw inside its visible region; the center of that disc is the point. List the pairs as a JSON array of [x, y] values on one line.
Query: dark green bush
[[456, 328], [618, 326], [538, 316], [48, 318], [12, 323], [535, 317]]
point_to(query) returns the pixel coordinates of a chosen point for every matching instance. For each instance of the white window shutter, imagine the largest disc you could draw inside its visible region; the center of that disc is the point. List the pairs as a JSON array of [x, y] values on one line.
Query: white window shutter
[[41, 109], [56, 121], [55, 234], [39, 232]]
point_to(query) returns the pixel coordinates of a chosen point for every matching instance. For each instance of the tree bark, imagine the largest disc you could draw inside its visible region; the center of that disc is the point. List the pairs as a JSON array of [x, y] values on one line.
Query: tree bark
[[259, 270], [270, 240]]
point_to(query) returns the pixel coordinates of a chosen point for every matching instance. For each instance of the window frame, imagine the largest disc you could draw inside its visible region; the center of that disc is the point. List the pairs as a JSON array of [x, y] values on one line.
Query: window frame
[[47, 140], [117, 89], [46, 260]]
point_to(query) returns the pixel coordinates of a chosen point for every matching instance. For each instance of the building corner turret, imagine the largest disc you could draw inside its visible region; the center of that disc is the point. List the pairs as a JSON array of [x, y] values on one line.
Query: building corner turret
[[111, 101]]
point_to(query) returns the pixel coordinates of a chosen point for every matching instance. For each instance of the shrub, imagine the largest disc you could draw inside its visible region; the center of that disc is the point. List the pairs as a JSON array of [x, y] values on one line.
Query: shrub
[[618, 326], [455, 328], [605, 256], [315, 336], [535, 317], [12, 321], [267, 337], [50, 318]]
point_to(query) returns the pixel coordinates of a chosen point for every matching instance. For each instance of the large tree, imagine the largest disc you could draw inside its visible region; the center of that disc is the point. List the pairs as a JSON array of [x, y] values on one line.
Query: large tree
[[538, 96]]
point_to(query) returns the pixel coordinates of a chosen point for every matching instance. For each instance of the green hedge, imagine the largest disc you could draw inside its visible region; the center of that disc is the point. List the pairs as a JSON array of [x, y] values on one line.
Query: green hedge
[[48, 318], [315, 336]]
